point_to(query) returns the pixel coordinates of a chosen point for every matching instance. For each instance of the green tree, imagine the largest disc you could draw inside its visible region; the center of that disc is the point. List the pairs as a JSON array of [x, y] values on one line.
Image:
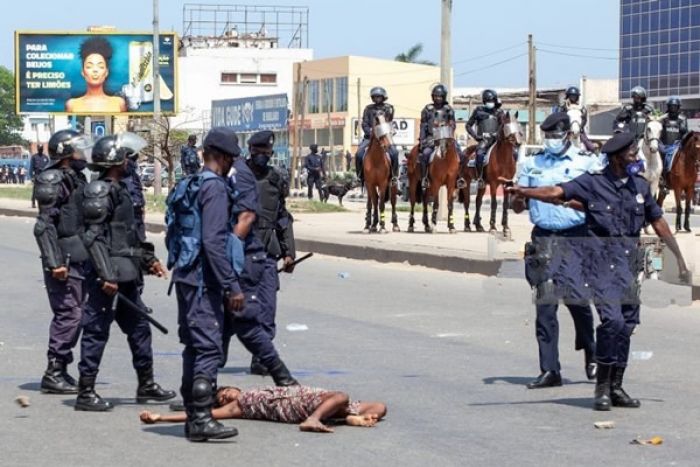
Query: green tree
[[10, 123], [412, 54]]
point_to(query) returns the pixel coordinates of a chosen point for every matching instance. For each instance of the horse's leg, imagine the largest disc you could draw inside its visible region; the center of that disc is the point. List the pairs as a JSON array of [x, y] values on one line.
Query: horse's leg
[[382, 205], [368, 214], [465, 203], [450, 210], [426, 222], [394, 216], [494, 207], [477, 215], [504, 216], [375, 208], [688, 200], [436, 206], [679, 210]]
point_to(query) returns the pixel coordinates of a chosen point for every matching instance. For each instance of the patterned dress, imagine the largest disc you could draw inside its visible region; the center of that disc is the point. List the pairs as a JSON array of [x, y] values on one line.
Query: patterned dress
[[292, 404]]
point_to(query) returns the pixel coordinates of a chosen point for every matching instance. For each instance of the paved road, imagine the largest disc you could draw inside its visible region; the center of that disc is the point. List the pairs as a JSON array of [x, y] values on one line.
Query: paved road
[[449, 353]]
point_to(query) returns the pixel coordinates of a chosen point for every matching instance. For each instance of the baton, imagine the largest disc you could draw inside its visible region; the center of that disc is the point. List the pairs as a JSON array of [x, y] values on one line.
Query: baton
[[134, 307], [297, 261]]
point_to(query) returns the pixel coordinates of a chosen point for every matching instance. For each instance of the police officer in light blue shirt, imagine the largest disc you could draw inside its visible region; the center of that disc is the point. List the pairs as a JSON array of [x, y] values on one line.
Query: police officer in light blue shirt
[[554, 258]]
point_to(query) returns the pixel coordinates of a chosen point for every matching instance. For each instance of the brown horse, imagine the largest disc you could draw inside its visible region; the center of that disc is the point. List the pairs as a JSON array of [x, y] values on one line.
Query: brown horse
[[415, 191], [376, 171], [501, 167], [681, 177]]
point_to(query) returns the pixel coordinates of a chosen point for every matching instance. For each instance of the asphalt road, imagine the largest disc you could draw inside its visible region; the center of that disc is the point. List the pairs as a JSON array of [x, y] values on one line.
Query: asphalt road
[[449, 353]]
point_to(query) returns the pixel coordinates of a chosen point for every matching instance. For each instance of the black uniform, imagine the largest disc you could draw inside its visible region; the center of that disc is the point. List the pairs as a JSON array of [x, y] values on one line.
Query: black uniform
[[634, 117], [483, 125], [315, 171], [37, 165]]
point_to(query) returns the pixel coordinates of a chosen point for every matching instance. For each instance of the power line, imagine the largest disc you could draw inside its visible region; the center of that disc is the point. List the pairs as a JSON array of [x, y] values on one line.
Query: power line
[[491, 65], [554, 52], [489, 53], [573, 47]]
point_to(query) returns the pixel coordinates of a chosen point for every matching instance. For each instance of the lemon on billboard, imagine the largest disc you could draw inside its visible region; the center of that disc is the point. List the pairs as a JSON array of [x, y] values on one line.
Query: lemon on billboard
[[93, 73]]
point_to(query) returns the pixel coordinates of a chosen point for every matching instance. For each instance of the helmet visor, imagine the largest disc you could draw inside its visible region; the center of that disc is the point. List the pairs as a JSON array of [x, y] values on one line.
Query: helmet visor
[[131, 141], [82, 146]]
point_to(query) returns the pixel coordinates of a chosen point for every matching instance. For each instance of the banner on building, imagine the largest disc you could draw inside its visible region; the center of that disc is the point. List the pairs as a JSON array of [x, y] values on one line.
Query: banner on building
[[405, 131], [93, 73], [249, 114]]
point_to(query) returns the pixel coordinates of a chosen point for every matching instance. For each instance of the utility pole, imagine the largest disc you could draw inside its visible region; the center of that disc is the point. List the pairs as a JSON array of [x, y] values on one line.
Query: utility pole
[[532, 84], [445, 78], [331, 156], [298, 103], [358, 128], [156, 102], [300, 132]]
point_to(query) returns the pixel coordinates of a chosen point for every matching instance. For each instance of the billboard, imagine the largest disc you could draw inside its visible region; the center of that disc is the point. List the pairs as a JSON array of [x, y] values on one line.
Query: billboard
[[249, 114], [93, 73]]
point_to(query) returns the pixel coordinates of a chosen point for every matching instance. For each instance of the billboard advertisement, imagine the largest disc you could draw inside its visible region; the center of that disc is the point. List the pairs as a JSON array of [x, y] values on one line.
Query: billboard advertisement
[[93, 73], [249, 114]]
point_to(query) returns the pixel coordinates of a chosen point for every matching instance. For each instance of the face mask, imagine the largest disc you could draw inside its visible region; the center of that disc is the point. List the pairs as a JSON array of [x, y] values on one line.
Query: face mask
[[554, 145], [490, 105], [78, 165], [634, 168], [260, 160]]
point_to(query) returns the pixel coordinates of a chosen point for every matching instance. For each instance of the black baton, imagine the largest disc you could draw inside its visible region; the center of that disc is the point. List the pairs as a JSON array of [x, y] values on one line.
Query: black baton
[[297, 261], [119, 297]]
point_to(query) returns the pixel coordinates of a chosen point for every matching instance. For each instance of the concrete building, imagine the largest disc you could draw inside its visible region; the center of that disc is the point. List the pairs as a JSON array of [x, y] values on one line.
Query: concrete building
[[37, 128]]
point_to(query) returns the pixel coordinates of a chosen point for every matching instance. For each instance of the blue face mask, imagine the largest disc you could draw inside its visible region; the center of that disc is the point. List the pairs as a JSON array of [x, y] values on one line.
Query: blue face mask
[[634, 168], [554, 145]]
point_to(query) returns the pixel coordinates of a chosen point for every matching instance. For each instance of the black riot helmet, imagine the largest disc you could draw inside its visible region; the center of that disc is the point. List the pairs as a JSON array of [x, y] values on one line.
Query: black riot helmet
[[378, 94], [62, 144], [489, 95], [673, 105], [573, 94], [439, 94], [114, 149], [639, 95]]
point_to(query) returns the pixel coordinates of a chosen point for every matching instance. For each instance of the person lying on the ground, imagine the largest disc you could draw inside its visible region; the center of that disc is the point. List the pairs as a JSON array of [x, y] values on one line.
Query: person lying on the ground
[[307, 406]]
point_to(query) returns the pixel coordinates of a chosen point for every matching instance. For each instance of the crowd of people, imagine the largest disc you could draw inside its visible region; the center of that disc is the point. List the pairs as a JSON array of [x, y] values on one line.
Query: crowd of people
[[13, 174]]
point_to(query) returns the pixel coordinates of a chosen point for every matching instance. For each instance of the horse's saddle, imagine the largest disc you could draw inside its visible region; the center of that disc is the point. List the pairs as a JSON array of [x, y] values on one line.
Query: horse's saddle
[[472, 158], [670, 155]]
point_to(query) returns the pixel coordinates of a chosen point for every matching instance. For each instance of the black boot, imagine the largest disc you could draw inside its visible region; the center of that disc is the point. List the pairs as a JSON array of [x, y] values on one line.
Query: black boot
[[149, 390], [479, 174], [88, 400], [602, 388], [618, 395], [394, 173], [200, 425], [590, 365], [281, 375], [54, 380], [424, 176], [257, 368]]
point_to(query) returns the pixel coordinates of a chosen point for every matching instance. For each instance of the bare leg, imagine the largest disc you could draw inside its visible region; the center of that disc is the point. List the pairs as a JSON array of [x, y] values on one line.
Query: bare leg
[[336, 403]]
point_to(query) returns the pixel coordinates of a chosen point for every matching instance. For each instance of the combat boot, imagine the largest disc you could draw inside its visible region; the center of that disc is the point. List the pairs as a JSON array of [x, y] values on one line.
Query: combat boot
[[257, 368], [200, 426], [479, 174], [149, 390], [88, 400], [619, 397], [425, 182], [54, 380], [394, 174], [602, 388], [281, 375]]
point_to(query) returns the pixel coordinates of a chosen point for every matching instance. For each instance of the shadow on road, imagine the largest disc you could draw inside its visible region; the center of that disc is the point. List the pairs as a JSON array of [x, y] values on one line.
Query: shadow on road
[[178, 431], [523, 380], [581, 402]]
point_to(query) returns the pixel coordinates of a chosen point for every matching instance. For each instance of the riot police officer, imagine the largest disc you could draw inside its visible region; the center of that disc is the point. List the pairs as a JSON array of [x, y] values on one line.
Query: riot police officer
[[553, 259], [483, 125], [315, 171], [117, 259], [675, 127], [189, 160], [438, 110], [57, 230], [379, 105], [37, 164], [572, 97], [617, 202], [133, 183], [273, 227], [633, 117], [205, 280]]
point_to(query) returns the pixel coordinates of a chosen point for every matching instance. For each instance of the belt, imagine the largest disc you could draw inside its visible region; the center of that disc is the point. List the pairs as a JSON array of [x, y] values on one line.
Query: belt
[[576, 231]]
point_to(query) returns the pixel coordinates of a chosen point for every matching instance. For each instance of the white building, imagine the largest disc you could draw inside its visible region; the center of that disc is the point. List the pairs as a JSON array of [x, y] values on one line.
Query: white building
[[37, 128]]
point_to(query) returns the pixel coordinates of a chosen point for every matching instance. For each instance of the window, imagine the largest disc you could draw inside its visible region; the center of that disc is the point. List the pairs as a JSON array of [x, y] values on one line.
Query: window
[[268, 78], [249, 78], [341, 94], [227, 78], [313, 97], [326, 95]]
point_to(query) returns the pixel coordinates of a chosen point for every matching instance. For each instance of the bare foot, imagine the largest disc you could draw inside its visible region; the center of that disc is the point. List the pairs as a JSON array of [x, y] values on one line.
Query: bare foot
[[314, 425], [149, 417], [362, 420]]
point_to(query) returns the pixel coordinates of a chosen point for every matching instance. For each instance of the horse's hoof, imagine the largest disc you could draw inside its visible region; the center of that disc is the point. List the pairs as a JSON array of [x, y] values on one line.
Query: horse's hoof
[[453, 230], [507, 234], [428, 229], [467, 228], [383, 231], [373, 230], [366, 230], [493, 231], [480, 229], [411, 229], [396, 228]]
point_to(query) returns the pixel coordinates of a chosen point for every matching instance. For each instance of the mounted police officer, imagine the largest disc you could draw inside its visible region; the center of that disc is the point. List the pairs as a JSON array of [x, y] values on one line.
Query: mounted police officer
[[315, 171], [189, 160], [37, 164], [634, 117], [675, 127], [256, 277], [205, 278], [617, 202], [379, 105], [572, 97], [438, 111], [483, 125], [117, 259], [273, 227], [553, 259], [58, 231]]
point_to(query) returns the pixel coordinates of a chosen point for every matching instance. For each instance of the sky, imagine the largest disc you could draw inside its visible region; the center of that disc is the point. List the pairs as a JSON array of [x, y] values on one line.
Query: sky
[[489, 38]]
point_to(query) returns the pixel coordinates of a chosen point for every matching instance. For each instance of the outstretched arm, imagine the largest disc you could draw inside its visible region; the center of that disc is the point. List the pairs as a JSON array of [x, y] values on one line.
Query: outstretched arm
[[548, 194], [664, 232]]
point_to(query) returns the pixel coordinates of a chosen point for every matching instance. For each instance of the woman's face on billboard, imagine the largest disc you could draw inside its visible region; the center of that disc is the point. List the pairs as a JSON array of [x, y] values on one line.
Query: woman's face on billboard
[[95, 69]]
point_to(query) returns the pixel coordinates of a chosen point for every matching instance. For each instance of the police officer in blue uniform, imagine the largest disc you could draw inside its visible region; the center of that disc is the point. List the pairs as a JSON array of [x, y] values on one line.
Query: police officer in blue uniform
[[483, 125], [439, 110], [634, 117], [274, 229], [248, 323], [37, 165], [57, 230], [207, 285], [617, 202], [553, 259], [379, 104], [189, 160], [315, 171], [675, 127], [117, 259]]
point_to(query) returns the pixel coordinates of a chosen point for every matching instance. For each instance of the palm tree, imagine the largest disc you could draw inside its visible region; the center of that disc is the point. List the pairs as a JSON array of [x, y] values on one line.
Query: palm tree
[[411, 56]]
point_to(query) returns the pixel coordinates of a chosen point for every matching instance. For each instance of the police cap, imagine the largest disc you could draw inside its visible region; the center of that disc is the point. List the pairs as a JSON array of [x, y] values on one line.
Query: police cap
[[263, 140], [224, 140], [556, 122], [619, 142]]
